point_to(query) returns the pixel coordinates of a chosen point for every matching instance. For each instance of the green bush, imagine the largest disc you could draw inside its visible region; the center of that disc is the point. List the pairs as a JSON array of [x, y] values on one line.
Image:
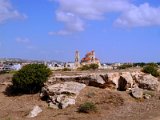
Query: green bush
[[94, 66], [142, 64], [84, 67], [151, 69], [66, 69], [87, 107], [125, 66], [89, 67], [30, 78], [153, 65]]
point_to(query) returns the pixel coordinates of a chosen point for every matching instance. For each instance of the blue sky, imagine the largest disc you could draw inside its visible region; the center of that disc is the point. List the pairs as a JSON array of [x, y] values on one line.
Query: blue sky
[[118, 30]]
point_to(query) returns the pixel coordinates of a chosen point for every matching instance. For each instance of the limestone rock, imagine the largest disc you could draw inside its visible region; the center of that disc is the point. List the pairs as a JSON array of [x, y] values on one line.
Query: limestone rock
[[125, 81], [76, 78], [137, 93], [147, 96], [112, 79], [61, 95], [36, 110], [137, 75], [97, 80], [148, 82], [66, 87], [65, 101], [54, 106]]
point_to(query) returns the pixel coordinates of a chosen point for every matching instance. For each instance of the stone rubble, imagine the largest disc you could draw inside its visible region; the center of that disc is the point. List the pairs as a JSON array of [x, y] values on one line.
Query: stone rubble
[[137, 93], [36, 110], [62, 91], [148, 82], [63, 94]]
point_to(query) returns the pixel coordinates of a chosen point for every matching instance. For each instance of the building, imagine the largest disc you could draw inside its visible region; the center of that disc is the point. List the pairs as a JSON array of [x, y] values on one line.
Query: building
[[16, 67], [7, 67], [55, 66], [116, 65], [90, 58], [70, 65], [77, 60]]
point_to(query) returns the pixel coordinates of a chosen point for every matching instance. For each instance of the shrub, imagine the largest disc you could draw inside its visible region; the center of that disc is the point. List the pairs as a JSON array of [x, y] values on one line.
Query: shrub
[[125, 66], [66, 69], [153, 65], [30, 78], [85, 67], [158, 63], [151, 69], [87, 107], [139, 64], [93, 66], [89, 67]]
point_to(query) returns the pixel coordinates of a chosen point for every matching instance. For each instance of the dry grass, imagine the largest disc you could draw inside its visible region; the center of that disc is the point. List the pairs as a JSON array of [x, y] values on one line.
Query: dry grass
[[111, 105]]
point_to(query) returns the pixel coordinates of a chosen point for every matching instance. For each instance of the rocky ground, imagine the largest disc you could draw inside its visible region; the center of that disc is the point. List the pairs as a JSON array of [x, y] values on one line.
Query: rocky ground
[[111, 105]]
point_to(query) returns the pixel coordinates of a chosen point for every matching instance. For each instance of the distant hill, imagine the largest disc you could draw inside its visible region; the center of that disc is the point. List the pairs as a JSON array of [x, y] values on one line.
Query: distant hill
[[27, 60]]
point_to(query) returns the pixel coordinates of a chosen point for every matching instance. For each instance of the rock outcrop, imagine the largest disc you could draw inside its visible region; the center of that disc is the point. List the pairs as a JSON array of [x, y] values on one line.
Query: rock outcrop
[[61, 95], [125, 81], [96, 80], [121, 81], [148, 82], [62, 91], [112, 80], [76, 78]]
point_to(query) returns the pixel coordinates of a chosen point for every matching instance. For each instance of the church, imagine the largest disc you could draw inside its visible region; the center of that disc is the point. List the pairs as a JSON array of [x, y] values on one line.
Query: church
[[89, 58]]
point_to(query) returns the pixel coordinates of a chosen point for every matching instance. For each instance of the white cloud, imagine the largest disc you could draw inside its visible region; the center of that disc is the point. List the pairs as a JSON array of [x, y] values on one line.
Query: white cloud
[[144, 15], [75, 14], [72, 23], [61, 32], [31, 47], [7, 12], [92, 9], [22, 40], [26, 43]]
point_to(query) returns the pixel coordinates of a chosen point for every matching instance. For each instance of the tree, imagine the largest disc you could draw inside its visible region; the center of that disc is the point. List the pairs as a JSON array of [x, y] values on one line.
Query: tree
[[31, 78]]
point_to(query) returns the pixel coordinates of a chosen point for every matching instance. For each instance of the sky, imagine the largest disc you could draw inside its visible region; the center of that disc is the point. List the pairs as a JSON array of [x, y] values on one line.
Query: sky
[[117, 30]]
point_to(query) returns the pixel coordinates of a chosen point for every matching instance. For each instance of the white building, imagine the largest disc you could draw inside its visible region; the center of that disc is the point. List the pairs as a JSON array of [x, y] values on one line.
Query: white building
[[16, 67]]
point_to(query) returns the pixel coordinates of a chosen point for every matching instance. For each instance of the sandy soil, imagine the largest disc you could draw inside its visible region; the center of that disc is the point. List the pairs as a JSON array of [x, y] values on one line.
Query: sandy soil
[[111, 105]]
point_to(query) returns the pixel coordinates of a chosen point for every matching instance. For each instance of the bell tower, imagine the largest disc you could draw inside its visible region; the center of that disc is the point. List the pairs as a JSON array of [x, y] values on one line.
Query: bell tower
[[93, 56], [77, 63]]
